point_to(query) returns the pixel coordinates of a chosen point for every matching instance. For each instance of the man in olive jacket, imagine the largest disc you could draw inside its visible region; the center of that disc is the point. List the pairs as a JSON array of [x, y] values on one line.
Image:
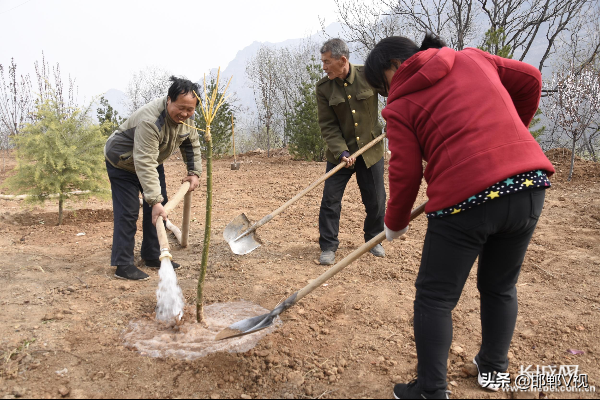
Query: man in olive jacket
[[135, 153], [348, 111]]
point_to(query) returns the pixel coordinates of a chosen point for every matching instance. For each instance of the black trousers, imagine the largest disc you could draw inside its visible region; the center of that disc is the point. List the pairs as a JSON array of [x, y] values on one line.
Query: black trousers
[[372, 190], [126, 188], [498, 232]]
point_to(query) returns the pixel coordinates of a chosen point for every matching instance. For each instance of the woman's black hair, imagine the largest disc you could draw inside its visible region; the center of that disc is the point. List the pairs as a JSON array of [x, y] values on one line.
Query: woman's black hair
[[182, 86], [392, 48]]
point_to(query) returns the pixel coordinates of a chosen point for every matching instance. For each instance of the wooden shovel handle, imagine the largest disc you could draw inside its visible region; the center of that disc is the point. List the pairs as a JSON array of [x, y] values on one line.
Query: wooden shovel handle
[[163, 241], [170, 206], [313, 185], [187, 215], [351, 258]]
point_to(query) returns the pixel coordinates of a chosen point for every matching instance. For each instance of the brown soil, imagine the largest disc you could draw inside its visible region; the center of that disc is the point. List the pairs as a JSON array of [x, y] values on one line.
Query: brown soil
[[64, 315]]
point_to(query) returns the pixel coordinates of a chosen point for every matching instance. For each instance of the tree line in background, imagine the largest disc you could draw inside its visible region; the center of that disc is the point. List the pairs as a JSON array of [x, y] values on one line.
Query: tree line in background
[[560, 37], [59, 143], [283, 81]]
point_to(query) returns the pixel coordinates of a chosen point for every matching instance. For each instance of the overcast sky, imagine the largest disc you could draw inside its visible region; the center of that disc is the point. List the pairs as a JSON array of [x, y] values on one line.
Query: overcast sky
[[102, 43]]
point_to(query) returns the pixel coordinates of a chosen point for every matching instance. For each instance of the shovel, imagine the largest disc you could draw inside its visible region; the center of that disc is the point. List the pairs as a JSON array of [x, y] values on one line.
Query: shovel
[[234, 165], [260, 322], [184, 194], [240, 234]]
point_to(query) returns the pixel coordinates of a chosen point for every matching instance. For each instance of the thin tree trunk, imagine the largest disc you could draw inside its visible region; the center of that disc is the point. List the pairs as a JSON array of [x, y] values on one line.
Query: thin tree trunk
[[268, 142], [60, 210], [591, 147], [200, 291], [572, 158]]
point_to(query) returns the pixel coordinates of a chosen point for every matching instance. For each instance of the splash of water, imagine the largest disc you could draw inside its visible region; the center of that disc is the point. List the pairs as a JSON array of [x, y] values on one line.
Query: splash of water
[[169, 298], [190, 340]]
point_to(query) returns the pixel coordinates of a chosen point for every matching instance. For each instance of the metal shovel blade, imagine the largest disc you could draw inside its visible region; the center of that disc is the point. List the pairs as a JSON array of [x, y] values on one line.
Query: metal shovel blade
[[255, 324], [246, 326], [235, 228]]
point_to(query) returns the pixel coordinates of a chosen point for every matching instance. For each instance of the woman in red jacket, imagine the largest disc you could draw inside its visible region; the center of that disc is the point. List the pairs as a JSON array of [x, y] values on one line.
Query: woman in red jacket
[[466, 113]]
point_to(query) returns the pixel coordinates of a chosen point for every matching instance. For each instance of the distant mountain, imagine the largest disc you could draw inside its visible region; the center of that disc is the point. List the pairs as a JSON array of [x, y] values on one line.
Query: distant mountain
[[237, 69]]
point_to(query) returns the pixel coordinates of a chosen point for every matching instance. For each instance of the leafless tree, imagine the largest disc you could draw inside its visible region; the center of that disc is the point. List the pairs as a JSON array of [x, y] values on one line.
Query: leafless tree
[[291, 72], [364, 23], [581, 44], [525, 24], [576, 52], [575, 107], [15, 106], [262, 72], [452, 20], [145, 86], [50, 85]]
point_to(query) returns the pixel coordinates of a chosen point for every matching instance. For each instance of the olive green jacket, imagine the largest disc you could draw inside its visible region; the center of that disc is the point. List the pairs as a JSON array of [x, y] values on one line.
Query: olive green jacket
[[146, 140], [348, 116]]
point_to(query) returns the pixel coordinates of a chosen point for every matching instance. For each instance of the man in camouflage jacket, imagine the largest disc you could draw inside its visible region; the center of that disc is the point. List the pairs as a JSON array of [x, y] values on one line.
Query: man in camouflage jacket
[[135, 153], [348, 111]]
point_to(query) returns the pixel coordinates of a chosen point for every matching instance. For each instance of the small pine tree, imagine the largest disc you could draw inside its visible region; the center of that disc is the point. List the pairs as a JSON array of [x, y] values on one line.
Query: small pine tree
[[220, 128], [536, 133], [59, 152], [108, 117], [306, 141], [494, 41]]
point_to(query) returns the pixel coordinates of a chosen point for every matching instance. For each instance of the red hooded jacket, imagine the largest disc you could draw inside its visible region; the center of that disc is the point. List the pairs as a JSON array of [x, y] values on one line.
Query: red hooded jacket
[[467, 114]]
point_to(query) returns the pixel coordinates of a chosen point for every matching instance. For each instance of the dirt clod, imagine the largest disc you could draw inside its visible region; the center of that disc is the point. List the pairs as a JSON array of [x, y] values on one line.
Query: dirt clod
[[470, 369], [525, 395], [19, 391], [64, 391]]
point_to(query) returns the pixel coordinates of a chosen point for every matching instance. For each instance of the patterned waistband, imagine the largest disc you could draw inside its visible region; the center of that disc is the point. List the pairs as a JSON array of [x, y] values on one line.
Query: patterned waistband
[[514, 184]]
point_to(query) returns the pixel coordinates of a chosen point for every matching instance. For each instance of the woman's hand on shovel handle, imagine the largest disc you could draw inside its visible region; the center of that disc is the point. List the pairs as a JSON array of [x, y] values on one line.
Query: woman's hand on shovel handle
[[193, 180], [158, 210]]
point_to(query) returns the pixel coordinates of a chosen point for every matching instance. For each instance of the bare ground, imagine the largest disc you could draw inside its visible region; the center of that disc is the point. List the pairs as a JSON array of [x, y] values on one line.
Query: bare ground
[[63, 311]]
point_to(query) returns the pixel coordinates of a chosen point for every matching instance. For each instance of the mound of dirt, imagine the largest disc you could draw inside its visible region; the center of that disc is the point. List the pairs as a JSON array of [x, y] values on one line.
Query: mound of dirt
[[69, 218], [583, 169], [282, 152]]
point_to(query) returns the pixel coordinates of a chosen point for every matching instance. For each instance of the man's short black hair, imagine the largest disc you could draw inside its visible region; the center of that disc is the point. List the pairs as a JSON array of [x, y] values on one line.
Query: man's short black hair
[[182, 86]]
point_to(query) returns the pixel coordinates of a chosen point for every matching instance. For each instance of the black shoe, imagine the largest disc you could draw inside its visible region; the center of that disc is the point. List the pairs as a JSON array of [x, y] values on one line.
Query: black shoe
[[156, 264], [414, 391], [130, 272], [487, 379]]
